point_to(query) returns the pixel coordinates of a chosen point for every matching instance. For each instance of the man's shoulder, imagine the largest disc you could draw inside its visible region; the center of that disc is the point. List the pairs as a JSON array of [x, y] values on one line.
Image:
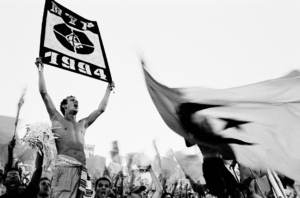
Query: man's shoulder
[[83, 120]]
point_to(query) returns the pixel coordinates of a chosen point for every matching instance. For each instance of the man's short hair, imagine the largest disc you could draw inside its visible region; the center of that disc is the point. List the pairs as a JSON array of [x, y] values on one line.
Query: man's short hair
[[45, 178], [138, 189], [103, 179], [166, 194], [13, 169], [64, 102]]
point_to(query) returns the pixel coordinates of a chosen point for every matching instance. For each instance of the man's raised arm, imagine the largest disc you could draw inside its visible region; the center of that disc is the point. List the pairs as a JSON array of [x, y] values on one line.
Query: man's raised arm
[[93, 116], [42, 88]]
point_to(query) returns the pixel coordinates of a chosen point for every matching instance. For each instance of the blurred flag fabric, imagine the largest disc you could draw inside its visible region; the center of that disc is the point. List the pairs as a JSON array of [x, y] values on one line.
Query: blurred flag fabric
[[190, 162], [157, 161], [96, 165], [114, 168], [107, 174], [24, 154], [168, 166], [131, 159], [257, 124], [179, 173], [139, 160], [115, 153], [7, 127], [163, 163]]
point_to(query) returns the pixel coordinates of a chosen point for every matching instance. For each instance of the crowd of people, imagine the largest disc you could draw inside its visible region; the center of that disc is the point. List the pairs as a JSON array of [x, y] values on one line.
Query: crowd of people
[[15, 183], [224, 178], [70, 178]]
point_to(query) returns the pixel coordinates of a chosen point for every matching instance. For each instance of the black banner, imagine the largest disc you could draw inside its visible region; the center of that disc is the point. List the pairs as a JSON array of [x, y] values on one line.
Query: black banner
[[73, 43]]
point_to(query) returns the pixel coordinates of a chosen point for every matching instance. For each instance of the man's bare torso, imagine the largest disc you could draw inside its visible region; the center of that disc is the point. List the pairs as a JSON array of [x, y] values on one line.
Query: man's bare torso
[[71, 133], [71, 138]]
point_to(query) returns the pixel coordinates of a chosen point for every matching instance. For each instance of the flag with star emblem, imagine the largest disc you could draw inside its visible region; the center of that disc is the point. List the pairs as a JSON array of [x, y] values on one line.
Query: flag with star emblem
[[258, 124], [73, 43]]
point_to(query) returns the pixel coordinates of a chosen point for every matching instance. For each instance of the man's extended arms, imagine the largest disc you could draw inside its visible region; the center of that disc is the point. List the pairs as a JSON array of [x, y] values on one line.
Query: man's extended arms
[[94, 115], [42, 88]]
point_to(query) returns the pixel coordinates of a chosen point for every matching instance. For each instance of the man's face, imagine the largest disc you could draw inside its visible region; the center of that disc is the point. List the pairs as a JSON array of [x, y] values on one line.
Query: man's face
[[21, 188], [44, 187], [72, 104], [12, 181], [102, 188]]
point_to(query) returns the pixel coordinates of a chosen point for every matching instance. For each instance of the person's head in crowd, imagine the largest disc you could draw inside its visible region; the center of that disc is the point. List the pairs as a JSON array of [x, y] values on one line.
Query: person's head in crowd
[[44, 187], [139, 192], [166, 195], [69, 105], [12, 180], [103, 188]]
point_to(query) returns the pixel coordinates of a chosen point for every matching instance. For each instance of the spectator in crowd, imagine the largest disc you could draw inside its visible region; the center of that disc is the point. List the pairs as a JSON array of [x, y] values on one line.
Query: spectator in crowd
[[103, 188], [12, 179], [221, 177], [44, 188]]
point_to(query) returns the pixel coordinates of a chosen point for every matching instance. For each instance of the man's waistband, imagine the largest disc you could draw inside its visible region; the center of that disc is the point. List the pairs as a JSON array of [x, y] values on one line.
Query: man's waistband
[[64, 160]]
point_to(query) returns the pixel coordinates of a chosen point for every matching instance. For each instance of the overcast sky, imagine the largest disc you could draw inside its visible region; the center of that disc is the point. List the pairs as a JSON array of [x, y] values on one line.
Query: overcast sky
[[216, 44]]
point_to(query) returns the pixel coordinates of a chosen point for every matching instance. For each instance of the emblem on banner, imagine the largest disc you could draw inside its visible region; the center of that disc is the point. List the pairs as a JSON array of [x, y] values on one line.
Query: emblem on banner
[[73, 40]]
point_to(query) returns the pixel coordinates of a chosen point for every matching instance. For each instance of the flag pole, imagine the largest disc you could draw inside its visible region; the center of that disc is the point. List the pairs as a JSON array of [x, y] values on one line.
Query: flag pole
[[278, 183], [177, 160], [20, 104], [274, 184], [158, 155]]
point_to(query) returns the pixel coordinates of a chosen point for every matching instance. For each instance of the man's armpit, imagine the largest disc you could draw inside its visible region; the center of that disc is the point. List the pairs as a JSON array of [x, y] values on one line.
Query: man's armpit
[[56, 116], [84, 122]]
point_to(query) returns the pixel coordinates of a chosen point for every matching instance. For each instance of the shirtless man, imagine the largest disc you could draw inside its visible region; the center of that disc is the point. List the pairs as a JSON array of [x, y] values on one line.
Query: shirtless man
[[69, 169]]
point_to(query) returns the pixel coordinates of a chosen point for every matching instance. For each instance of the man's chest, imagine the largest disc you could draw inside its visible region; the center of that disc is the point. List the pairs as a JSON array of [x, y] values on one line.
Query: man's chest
[[65, 127]]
